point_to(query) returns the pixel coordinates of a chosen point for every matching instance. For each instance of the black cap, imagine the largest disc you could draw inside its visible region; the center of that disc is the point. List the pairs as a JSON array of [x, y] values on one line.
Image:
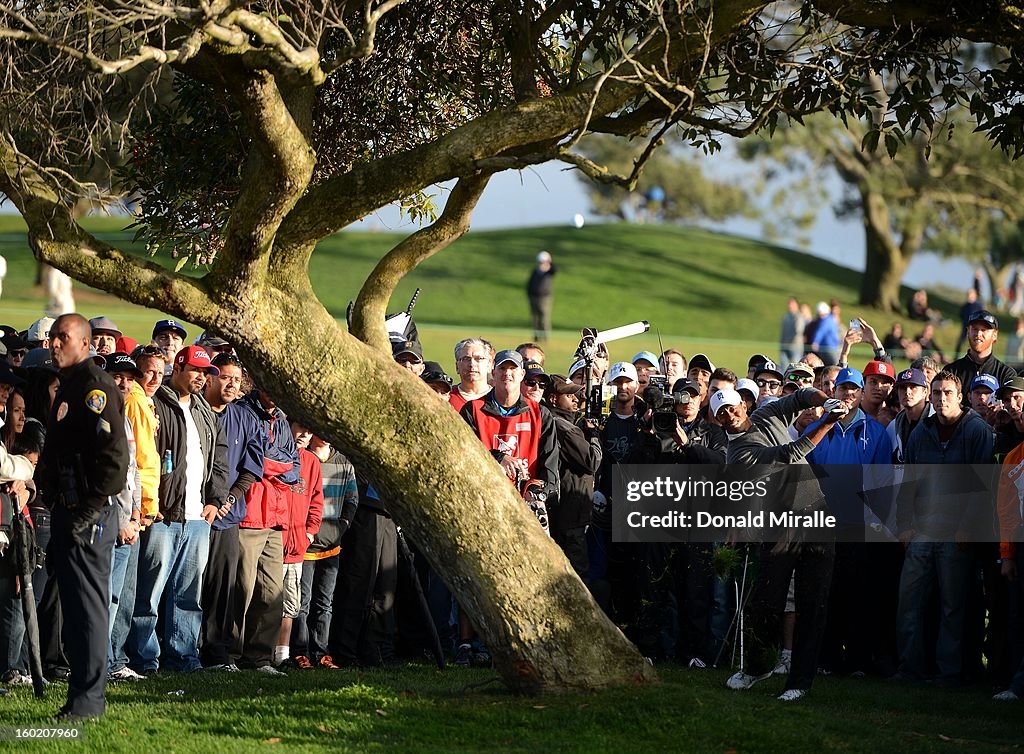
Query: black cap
[[122, 362], [984, 315], [209, 340], [407, 346], [1015, 385], [685, 383], [757, 360], [559, 384], [700, 361], [772, 368], [8, 377], [15, 343], [534, 369], [434, 374]]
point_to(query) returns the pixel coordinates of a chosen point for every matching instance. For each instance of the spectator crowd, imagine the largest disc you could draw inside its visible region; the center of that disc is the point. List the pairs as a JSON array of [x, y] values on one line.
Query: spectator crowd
[[246, 542]]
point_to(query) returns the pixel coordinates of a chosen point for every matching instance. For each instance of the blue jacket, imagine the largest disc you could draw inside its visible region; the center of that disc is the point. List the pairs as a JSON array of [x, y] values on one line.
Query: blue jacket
[[938, 503], [857, 480], [280, 443], [826, 337], [246, 438]]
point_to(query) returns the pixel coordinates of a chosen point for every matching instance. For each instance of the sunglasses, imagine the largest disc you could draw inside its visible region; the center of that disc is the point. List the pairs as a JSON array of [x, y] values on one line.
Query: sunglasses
[[768, 383], [147, 351], [800, 378], [20, 353], [533, 383], [223, 358]]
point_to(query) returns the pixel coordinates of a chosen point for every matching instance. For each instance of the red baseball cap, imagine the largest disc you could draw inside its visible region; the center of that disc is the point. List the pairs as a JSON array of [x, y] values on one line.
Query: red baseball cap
[[881, 368], [196, 356]]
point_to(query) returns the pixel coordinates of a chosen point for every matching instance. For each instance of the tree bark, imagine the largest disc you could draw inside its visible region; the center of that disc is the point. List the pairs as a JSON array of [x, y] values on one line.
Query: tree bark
[[537, 618], [543, 628], [885, 261]]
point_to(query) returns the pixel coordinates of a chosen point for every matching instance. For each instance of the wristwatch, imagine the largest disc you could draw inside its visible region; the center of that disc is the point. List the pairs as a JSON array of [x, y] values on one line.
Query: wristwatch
[[230, 500]]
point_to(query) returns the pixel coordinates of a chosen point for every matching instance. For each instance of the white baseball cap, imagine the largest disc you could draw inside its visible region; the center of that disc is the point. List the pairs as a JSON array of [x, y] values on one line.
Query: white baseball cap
[[622, 369], [726, 397], [543, 257], [750, 386], [40, 329]]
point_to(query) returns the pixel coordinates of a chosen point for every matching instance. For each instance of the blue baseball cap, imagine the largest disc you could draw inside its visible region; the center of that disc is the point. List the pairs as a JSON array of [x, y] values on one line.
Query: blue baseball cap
[[912, 377], [850, 375], [985, 381], [503, 357], [169, 324], [646, 356]]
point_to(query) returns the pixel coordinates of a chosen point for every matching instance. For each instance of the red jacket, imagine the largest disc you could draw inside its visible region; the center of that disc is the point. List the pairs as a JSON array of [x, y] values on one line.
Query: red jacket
[[266, 501], [305, 507]]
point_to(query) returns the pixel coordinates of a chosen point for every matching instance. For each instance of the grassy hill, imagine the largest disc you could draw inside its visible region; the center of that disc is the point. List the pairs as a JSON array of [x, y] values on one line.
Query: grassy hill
[[703, 291]]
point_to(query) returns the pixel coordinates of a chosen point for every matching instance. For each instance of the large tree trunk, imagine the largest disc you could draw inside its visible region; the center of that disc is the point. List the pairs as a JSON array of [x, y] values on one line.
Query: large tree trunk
[[997, 277], [539, 621], [885, 261]]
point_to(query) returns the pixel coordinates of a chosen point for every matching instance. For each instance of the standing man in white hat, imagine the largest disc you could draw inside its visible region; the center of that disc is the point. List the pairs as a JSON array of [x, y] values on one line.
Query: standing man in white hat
[[540, 291]]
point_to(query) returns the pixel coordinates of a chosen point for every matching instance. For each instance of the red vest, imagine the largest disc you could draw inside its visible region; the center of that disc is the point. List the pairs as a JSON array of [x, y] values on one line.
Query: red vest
[[517, 435]]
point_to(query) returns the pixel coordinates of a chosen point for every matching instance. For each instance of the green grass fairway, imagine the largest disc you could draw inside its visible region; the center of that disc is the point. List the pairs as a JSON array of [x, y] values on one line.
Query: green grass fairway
[[703, 291], [417, 709]]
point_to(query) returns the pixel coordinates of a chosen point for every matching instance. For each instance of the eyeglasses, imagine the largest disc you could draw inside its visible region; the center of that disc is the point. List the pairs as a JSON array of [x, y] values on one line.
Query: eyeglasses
[[20, 353], [477, 359], [772, 384], [802, 378], [533, 383]]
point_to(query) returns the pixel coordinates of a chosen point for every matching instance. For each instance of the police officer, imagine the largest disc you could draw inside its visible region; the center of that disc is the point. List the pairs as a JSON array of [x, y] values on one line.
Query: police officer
[[85, 461]]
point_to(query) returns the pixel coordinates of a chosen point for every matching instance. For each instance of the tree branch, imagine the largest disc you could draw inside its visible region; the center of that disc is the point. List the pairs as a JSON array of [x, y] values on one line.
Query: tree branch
[[277, 172], [67, 246], [343, 199], [374, 296], [362, 49], [600, 173], [997, 22]]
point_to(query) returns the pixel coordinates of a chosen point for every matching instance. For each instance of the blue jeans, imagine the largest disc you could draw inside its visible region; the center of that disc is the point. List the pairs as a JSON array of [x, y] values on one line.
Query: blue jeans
[[313, 625], [172, 558], [124, 573], [12, 620], [924, 563]]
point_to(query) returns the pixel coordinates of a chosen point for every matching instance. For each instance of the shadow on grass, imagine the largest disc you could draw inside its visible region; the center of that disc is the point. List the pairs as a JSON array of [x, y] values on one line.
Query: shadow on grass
[[418, 709]]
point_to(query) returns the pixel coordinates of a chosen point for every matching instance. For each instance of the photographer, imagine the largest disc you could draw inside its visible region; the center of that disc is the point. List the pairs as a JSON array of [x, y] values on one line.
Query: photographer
[[579, 458], [681, 574], [616, 567]]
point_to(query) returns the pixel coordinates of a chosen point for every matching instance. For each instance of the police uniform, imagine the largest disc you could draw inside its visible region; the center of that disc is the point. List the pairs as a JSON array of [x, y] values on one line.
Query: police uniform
[[85, 462]]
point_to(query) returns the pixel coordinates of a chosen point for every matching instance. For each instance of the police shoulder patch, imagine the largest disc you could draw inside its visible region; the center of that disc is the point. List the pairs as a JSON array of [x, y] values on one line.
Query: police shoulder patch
[[95, 401]]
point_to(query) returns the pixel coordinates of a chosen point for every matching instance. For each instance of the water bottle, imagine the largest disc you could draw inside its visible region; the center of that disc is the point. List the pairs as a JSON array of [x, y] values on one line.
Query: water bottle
[[168, 464]]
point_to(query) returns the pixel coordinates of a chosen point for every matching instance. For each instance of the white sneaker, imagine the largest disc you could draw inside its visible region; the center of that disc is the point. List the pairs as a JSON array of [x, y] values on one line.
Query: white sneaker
[[792, 695], [696, 663], [783, 667], [15, 678], [741, 681], [124, 674], [1006, 696], [269, 670], [225, 668]]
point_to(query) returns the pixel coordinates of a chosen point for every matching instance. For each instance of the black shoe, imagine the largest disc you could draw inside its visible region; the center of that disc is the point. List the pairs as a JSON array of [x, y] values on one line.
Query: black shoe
[[481, 658], [464, 655], [57, 675], [66, 716]]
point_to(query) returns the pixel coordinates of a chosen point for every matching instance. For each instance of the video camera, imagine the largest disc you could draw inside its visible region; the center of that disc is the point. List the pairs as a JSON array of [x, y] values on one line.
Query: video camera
[[662, 403], [589, 349]]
